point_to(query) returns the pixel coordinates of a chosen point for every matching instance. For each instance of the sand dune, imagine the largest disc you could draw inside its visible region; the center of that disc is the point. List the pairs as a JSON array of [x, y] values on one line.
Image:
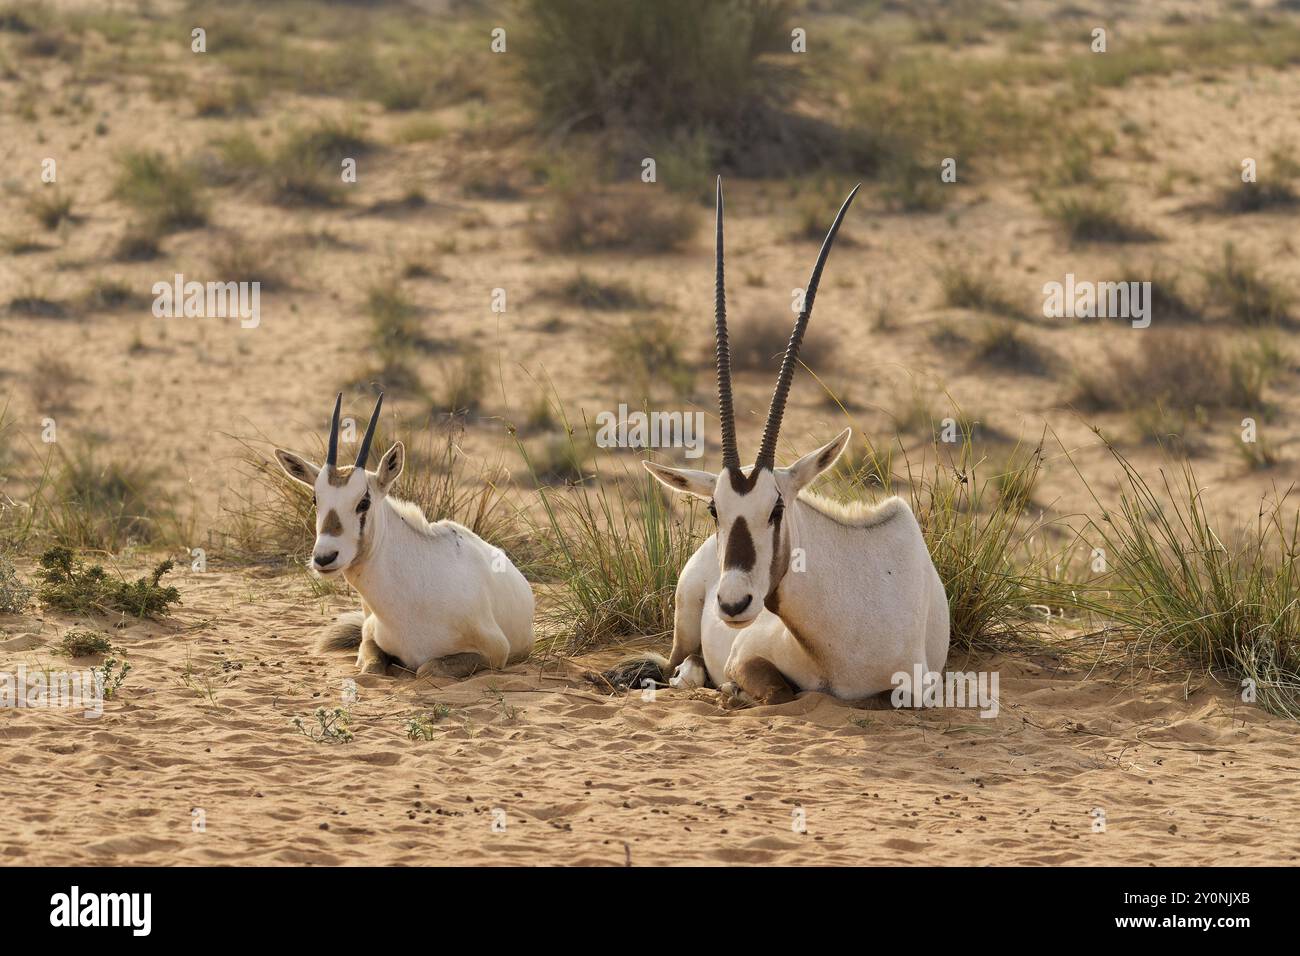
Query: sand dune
[[537, 766]]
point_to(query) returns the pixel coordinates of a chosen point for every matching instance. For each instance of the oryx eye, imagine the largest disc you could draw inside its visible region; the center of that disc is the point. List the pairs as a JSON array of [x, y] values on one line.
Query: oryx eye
[[713, 510], [363, 505], [777, 510], [313, 501]]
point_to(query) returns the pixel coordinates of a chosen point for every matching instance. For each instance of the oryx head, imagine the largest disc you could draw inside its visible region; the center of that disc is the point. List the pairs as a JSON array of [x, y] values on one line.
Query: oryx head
[[749, 503], [344, 496]]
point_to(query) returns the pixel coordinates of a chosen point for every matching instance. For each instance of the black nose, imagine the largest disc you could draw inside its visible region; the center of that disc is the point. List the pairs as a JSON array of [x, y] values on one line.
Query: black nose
[[326, 558], [731, 610]]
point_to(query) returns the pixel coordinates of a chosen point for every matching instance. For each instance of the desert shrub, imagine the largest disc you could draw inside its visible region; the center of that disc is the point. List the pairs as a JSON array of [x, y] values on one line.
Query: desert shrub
[[91, 502], [165, 192], [464, 385], [659, 67], [83, 643], [69, 585], [587, 219], [587, 292]]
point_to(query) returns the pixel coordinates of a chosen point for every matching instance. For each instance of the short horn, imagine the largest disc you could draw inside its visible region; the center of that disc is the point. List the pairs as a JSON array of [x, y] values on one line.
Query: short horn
[[726, 411], [767, 451], [364, 451], [332, 455]]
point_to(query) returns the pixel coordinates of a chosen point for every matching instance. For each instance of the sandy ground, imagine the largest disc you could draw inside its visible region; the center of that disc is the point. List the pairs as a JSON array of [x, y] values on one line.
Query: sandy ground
[[569, 774]]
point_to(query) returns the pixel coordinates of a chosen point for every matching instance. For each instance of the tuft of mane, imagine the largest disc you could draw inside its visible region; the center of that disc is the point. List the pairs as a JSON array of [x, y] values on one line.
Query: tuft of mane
[[856, 514]]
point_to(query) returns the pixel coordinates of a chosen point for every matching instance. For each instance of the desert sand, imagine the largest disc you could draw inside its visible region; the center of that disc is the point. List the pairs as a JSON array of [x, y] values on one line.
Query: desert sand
[[571, 774]]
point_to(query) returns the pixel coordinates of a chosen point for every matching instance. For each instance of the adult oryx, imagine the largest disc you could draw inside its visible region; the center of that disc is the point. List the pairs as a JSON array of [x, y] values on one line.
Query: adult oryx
[[794, 591], [435, 597]]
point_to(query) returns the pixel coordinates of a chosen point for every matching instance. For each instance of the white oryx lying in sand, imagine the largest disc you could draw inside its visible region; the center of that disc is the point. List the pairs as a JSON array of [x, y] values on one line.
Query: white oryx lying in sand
[[794, 590], [436, 597]]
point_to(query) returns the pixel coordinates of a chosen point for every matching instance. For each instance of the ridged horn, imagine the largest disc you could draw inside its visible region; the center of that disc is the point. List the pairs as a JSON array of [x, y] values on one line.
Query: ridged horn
[[332, 454], [776, 411], [364, 451], [726, 411]]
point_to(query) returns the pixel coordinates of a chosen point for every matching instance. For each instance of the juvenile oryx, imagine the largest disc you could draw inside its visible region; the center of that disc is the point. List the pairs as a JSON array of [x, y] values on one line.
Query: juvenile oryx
[[436, 597], [794, 590]]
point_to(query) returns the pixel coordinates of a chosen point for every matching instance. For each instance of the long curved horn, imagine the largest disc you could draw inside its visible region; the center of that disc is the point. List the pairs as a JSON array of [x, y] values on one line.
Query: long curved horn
[[726, 412], [332, 455], [364, 452], [767, 451]]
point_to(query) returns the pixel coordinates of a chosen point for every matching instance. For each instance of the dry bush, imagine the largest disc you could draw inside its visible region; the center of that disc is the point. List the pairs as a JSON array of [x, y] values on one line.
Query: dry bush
[[633, 219], [759, 339]]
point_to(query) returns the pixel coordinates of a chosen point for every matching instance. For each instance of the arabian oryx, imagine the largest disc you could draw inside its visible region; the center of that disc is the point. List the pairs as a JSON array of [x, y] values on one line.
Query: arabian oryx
[[435, 597], [794, 591]]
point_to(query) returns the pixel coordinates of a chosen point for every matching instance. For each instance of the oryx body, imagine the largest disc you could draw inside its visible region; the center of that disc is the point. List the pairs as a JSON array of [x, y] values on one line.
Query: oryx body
[[794, 590], [435, 597]]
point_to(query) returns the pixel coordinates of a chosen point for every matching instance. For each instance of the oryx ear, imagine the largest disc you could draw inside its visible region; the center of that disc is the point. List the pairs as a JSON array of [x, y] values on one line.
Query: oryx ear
[[698, 483], [802, 472], [390, 466], [297, 467]]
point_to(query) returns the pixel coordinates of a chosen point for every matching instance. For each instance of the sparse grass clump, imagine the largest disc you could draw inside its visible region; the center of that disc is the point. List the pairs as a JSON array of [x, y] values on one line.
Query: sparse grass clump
[[1095, 217], [68, 585], [1238, 291], [50, 207], [632, 219], [966, 285], [646, 355], [587, 292], [14, 593], [1004, 345], [1194, 591], [395, 325], [91, 502], [616, 556], [464, 385], [759, 339], [1178, 371], [306, 169], [164, 191], [52, 380]]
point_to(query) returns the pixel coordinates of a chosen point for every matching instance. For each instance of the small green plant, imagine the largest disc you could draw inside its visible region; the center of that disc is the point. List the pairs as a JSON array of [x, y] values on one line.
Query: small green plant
[[330, 727], [111, 674], [67, 584], [83, 643], [422, 726]]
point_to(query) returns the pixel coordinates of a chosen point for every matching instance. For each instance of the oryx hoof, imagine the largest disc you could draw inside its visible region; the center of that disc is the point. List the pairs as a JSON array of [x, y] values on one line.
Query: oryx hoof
[[688, 676], [734, 696], [379, 667]]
